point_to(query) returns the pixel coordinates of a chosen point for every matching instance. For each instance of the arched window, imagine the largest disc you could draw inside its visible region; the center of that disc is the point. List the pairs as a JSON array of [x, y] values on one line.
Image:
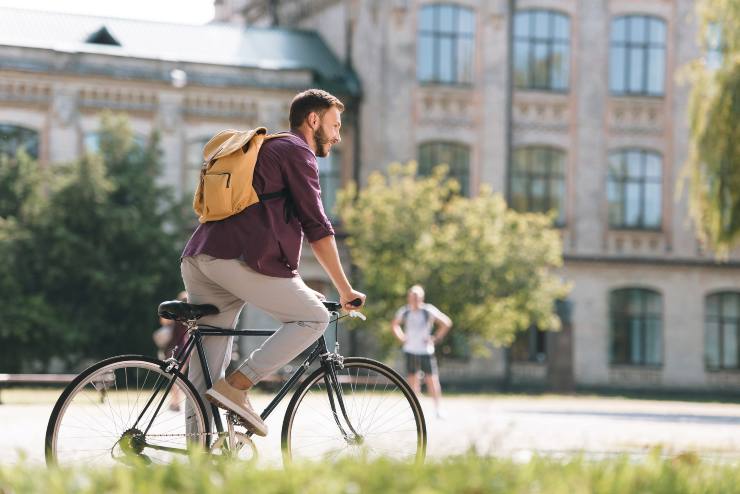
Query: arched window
[[14, 138], [637, 55], [635, 316], [330, 178], [721, 324], [454, 155], [537, 181], [92, 141], [634, 186], [446, 44], [541, 50]]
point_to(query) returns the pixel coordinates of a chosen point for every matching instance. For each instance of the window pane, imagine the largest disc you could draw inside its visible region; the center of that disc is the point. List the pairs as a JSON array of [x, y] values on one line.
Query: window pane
[[560, 65], [637, 351], [653, 346], [561, 27], [521, 64], [652, 303], [445, 60], [657, 31], [541, 24], [518, 194], [656, 70], [426, 19], [730, 305], [617, 69], [711, 345], [538, 195], [634, 166], [652, 165], [616, 203], [521, 24], [425, 59], [619, 30], [636, 73], [465, 21], [446, 18], [540, 65], [637, 29], [632, 204], [729, 343], [14, 138], [652, 205]]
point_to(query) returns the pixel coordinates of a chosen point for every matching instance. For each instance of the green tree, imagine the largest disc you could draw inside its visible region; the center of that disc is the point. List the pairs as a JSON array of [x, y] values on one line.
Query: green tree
[[489, 267], [95, 261], [714, 112]]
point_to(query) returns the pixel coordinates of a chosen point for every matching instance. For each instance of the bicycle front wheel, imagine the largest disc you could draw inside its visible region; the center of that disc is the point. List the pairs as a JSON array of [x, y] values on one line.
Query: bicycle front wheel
[[370, 412], [121, 411]]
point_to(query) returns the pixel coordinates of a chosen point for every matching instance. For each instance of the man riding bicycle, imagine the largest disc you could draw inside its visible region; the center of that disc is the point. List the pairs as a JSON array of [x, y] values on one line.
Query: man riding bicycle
[[253, 256]]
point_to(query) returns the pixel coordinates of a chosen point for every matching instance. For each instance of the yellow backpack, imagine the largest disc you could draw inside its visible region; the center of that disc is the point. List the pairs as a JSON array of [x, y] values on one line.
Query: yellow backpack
[[225, 187]]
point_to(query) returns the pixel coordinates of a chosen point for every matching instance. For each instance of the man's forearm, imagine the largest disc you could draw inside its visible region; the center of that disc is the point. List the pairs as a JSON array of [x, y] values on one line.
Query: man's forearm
[[325, 250]]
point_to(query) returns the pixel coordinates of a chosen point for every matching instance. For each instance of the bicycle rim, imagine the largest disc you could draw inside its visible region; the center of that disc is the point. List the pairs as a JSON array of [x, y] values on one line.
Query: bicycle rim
[[109, 415], [385, 418]]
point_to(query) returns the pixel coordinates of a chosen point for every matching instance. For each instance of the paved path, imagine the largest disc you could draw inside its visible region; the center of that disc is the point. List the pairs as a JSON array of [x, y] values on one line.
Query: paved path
[[505, 425]]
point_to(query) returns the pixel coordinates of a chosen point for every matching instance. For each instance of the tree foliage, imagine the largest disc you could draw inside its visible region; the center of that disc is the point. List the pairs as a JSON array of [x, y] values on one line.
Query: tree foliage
[[714, 111], [86, 266], [488, 267]]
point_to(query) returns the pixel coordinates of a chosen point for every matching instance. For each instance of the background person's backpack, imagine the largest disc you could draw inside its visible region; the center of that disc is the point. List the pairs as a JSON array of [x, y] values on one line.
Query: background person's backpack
[[424, 310], [225, 186]]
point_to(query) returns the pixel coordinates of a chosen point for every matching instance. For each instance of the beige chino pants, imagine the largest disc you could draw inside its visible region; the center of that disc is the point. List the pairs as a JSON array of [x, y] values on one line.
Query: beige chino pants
[[229, 284]]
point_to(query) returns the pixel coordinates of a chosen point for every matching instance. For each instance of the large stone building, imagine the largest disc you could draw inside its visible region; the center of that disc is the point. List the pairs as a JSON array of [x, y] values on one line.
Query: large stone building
[[572, 105]]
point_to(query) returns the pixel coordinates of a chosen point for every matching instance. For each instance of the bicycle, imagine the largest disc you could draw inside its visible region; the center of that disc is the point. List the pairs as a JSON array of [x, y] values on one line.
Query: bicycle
[[353, 405]]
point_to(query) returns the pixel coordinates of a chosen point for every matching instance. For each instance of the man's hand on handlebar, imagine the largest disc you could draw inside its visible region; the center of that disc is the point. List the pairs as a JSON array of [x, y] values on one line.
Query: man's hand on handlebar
[[352, 300]]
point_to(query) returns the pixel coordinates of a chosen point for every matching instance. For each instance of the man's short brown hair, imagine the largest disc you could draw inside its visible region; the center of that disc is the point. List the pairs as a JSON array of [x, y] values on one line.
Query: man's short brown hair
[[311, 100]]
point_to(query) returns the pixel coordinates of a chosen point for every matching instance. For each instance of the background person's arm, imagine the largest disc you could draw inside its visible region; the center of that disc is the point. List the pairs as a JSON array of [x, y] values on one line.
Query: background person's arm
[[397, 330], [325, 250], [444, 324]]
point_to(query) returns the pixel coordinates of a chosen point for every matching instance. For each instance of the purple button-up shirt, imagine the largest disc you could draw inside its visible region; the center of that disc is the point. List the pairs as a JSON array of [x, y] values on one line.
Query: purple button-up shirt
[[260, 235]]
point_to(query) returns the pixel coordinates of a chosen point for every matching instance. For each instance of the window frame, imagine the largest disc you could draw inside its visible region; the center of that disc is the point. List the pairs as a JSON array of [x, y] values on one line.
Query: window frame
[[23, 133], [436, 33], [643, 181], [721, 320], [644, 46], [625, 317], [453, 172], [528, 176], [335, 175], [532, 39]]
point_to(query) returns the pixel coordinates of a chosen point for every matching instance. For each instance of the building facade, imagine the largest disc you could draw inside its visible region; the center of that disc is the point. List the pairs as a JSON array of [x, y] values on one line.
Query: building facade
[[58, 73], [568, 105]]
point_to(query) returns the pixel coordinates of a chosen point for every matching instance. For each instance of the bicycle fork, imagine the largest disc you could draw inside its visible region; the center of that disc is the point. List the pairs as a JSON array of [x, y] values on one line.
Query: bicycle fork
[[332, 383]]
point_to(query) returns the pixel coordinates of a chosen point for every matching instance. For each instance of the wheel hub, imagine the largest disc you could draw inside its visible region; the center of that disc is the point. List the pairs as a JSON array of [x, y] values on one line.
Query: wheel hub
[[132, 442]]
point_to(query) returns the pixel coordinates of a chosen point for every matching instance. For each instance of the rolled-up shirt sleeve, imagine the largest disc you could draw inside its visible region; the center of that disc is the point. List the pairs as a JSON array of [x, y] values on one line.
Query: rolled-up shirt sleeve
[[301, 173]]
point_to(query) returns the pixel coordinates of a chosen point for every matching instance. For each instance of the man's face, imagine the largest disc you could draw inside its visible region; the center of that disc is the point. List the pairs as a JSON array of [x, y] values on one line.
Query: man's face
[[327, 133]]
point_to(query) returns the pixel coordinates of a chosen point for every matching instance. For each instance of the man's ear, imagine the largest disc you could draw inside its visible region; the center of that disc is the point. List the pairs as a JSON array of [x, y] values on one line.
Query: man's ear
[[313, 120]]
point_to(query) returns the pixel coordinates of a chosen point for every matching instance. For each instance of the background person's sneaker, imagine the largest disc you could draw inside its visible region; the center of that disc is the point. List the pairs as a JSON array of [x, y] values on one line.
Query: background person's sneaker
[[224, 395]]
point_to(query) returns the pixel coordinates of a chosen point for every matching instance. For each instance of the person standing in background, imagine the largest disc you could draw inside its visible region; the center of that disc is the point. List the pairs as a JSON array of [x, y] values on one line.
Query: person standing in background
[[413, 325]]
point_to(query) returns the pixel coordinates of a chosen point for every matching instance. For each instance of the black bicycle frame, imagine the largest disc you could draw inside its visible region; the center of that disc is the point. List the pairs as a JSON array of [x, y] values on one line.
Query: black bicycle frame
[[195, 341]]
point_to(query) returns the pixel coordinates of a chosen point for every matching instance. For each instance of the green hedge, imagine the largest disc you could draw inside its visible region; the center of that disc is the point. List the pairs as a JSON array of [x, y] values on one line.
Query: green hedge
[[464, 474]]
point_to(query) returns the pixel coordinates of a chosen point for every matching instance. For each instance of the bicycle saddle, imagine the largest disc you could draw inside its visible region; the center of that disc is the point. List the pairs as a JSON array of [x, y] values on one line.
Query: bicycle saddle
[[182, 311]]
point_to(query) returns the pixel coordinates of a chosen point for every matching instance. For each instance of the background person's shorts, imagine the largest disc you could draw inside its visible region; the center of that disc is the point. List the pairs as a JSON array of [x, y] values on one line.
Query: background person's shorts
[[425, 363]]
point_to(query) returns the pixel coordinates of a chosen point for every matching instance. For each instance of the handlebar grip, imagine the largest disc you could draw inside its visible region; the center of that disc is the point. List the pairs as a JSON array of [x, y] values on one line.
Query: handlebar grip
[[356, 302]]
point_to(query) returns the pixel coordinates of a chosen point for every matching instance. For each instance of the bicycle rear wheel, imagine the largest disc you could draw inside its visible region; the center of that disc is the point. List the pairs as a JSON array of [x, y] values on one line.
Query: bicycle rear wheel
[[381, 416], [116, 411]]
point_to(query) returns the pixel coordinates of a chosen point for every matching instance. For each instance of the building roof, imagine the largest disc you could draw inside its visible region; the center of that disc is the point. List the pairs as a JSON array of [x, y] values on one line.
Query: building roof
[[216, 43]]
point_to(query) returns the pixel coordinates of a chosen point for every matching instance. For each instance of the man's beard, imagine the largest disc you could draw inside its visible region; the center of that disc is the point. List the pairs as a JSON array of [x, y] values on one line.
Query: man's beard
[[319, 140]]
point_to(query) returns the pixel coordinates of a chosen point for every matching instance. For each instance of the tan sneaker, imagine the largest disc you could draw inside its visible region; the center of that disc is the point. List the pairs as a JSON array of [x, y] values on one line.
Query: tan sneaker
[[224, 395]]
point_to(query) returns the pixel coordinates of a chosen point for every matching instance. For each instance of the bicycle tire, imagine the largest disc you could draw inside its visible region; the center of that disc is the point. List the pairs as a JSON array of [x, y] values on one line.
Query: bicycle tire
[[359, 403], [97, 375]]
